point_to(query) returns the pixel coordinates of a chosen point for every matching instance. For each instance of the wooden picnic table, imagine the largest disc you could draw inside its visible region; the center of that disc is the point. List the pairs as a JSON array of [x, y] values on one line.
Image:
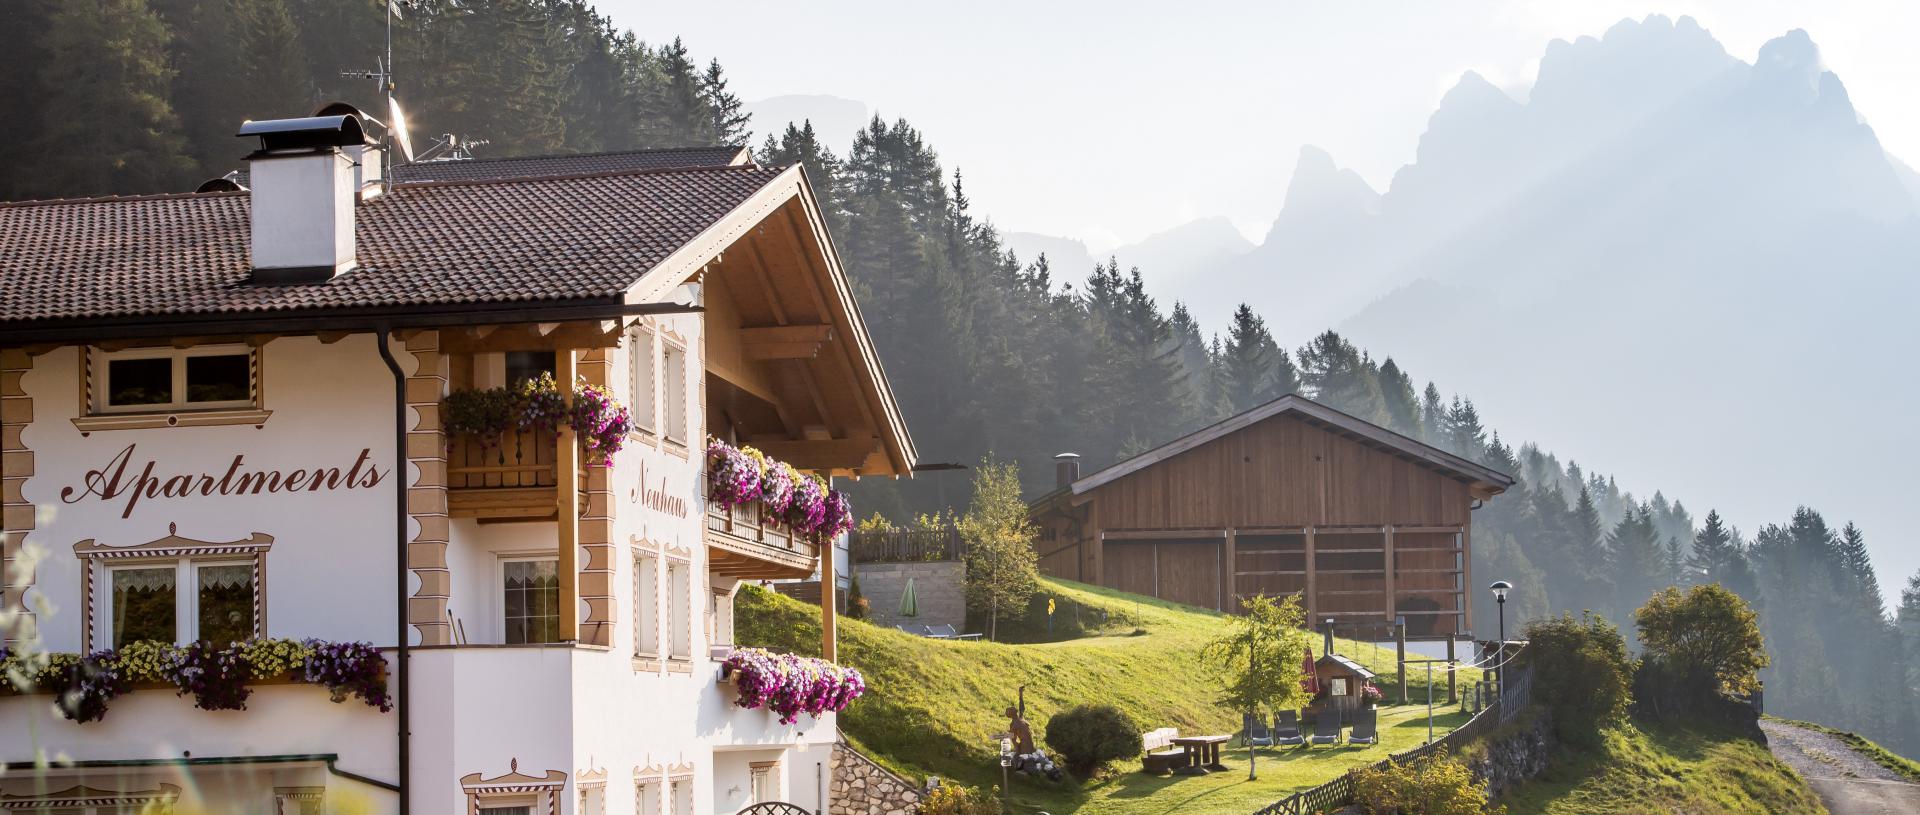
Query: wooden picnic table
[[1203, 753]]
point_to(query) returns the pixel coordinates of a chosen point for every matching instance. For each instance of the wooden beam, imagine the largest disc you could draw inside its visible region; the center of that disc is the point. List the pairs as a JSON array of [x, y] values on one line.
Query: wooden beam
[[528, 337], [566, 364], [786, 333], [829, 609], [824, 456], [331, 337], [782, 350]]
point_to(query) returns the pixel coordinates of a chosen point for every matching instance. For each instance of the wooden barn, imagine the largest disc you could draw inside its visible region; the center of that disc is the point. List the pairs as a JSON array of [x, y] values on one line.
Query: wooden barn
[[1292, 497]]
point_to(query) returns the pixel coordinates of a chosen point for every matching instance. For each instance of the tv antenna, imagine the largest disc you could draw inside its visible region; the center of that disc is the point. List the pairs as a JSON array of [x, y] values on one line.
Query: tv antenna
[[382, 72]]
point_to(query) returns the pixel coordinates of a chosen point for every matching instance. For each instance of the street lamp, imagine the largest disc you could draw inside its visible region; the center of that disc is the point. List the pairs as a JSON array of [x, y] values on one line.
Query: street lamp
[[1500, 589]]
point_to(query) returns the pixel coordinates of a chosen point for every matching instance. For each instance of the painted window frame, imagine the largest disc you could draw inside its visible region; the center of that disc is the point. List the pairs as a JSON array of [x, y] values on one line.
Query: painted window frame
[[679, 599], [646, 610], [499, 591], [185, 555], [643, 356], [646, 796], [100, 373], [676, 414]]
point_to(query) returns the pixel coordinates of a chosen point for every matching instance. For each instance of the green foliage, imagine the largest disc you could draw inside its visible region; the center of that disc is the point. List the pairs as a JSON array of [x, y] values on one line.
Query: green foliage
[[1581, 672], [1001, 563], [1433, 785], [1090, 736], [1708, 638], [954, 799], [1259, 657], [1657, 769]]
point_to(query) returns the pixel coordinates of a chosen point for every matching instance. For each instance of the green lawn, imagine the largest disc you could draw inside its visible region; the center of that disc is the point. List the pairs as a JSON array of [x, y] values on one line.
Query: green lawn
[[1666, 768], [932, 705]]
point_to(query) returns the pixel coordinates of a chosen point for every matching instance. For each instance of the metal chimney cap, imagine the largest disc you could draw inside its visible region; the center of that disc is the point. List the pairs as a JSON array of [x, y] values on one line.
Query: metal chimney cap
[[306, 133], [1061, 456]]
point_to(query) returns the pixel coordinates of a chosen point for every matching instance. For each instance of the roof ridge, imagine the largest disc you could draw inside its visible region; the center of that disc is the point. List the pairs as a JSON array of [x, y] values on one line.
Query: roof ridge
[[105, 199], [589, 154], [523, 179]]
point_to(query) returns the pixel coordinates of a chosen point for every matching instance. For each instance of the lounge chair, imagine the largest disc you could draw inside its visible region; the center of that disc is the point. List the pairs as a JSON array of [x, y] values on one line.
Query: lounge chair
[[1326, 727], [1286, 729], [1366, 727], [1255, 729]]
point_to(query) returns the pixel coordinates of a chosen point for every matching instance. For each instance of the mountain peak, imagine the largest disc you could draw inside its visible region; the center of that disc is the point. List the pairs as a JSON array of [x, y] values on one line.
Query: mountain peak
[[1319, 183]]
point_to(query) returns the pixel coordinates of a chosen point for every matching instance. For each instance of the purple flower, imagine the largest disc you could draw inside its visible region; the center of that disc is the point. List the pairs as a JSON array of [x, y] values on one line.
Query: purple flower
[[790, 685]]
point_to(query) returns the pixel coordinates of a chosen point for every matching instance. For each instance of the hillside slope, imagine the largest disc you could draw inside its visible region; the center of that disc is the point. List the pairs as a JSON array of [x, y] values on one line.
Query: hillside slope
[[1644, 769], [931, 704]]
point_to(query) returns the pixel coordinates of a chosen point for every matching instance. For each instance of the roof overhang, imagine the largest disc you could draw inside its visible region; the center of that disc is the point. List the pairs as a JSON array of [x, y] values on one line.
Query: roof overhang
[[790, 197], [1483, 482]]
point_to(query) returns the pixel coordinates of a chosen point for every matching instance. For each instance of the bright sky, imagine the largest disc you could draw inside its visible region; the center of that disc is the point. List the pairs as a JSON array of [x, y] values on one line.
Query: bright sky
[[1110, 121]]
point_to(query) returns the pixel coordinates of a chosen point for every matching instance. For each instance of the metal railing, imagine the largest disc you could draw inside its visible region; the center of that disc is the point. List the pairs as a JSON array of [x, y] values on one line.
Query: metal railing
[[906, 545], [1339, 792]]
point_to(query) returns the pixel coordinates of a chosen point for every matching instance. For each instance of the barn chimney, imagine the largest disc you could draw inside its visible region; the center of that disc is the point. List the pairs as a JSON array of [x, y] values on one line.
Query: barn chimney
[[1326, 627], [304, 184], [1066, 469]]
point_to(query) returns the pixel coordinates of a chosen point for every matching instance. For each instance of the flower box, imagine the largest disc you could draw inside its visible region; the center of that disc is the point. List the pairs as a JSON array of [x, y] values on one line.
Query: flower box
[[790, 685]]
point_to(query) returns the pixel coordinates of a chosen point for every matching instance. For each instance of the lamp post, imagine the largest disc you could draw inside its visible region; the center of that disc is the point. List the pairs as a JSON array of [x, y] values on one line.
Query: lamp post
[[1500, 589]]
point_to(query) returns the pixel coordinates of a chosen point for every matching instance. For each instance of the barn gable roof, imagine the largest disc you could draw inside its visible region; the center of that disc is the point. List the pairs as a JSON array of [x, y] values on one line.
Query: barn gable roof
[[1486, 481]]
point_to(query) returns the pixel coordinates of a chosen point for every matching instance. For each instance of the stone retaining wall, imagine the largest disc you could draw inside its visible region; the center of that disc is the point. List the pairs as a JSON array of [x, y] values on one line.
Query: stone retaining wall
[[1515, 757], [861, 787]]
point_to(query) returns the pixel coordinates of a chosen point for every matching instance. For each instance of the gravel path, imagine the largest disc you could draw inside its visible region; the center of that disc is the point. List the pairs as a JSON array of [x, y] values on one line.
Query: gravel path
[[1849, 783]]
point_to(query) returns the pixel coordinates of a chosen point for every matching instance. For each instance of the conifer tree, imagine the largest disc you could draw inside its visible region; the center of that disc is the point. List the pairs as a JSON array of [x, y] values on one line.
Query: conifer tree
[[1257, 370], [1402, 405], [105, 124], [1433, 417], [729, 117], [1337, 374]]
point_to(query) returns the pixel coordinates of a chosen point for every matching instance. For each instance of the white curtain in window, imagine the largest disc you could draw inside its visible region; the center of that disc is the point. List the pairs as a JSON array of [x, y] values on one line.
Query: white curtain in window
[[225, 577], [143, 579]]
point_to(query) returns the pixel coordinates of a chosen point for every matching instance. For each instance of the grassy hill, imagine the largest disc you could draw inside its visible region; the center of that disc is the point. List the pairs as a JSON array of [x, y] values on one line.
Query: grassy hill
[[933, 704], [1661, 768]]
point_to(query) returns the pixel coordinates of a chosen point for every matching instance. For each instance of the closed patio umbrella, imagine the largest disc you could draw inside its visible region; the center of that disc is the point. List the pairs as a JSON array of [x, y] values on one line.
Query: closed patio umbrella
[[909, 602], [1311, 679]]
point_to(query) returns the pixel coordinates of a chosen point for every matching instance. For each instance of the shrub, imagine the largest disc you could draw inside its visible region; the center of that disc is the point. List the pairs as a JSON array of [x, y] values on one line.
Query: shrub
[[953, 799], [858, 606], [1581, 672], [1707, 639], [1089, 736], [1426, 786]]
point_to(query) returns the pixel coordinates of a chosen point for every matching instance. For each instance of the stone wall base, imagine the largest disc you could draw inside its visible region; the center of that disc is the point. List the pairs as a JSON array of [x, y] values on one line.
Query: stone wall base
[[861, 787]]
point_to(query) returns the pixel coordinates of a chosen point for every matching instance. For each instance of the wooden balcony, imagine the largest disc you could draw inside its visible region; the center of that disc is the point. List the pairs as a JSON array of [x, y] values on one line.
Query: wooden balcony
[[742, 544], [513, 477]]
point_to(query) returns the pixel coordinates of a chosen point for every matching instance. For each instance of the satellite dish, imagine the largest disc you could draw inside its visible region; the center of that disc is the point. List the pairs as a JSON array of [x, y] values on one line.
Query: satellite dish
[[398, 128]]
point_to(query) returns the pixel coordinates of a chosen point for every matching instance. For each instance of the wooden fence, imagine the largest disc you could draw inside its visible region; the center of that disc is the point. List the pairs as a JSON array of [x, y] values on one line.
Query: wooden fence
[[1339, 792], [905, 545]]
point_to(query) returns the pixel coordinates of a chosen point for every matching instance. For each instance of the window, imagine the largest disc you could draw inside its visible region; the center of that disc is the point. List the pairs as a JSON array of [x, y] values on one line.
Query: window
[[526, 366], [161, 379], [646, 604], [517, 809], [645, 399], [673, 368], [680, 796], [719, 618], [530, 600], [762, 783], [645, 798], [679, 609], [145, 602]]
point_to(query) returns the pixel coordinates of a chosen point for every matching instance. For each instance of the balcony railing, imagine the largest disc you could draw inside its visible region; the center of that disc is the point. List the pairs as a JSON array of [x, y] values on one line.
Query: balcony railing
[[906, 545], [509, 476], [750, 546]]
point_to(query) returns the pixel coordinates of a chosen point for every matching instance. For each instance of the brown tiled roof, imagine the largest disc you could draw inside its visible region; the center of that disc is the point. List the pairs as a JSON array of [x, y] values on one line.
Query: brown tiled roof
[[473, 169], [521, 240]]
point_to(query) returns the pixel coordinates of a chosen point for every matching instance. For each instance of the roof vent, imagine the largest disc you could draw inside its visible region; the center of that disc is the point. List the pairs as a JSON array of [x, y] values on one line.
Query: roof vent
[[1066, 469], [304, 185]]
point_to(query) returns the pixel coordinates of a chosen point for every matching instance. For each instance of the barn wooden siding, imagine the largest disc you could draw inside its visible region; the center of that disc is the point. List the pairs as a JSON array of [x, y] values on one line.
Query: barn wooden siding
[[1282, 506]]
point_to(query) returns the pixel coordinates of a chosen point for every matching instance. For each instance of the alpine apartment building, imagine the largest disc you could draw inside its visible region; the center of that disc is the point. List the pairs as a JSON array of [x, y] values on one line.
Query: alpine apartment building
[[236, 416]]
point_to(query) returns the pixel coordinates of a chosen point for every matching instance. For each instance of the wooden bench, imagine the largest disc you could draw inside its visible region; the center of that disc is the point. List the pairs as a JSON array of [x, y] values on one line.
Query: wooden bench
[[1159, 754]]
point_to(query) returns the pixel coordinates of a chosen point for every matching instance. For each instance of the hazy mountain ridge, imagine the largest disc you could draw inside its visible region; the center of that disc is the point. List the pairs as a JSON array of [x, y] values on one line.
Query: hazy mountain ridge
[[1661, 235]]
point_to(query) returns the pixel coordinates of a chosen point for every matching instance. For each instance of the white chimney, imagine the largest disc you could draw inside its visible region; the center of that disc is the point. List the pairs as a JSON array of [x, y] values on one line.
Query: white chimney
[[304, 184]]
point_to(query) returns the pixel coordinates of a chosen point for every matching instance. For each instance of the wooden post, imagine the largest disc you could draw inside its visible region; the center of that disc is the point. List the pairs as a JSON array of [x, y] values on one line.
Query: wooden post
[[1313, 599], [1400, 658], [1393, 599], [1453, 670], [566, 490], [1229, 576], [829, 608]]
